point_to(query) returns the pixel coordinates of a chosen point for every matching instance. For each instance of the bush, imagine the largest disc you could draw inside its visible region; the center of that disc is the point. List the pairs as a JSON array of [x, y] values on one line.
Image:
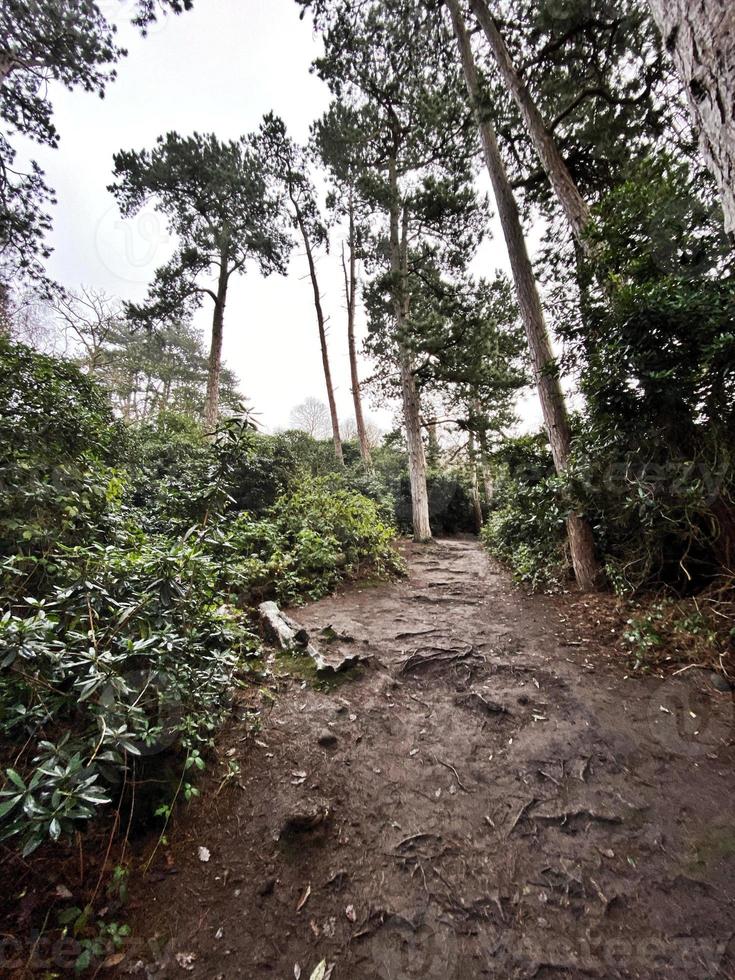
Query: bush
[[128, 585], [525, 525], [59, 447], [306, 543], [130, 652], [667, 630]]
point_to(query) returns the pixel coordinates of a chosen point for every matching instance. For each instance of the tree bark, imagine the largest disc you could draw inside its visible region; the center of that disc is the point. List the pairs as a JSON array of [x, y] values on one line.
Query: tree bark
[[411, 400], [7, 64], [700, 36], [337, 439], [351, 298], [553, 407], [487, 480], [573, 204], [433, 454], [474, 485], [211, 405]]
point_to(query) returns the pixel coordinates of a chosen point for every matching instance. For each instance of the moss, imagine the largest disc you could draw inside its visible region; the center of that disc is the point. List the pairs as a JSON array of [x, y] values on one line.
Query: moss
[[717, 844]]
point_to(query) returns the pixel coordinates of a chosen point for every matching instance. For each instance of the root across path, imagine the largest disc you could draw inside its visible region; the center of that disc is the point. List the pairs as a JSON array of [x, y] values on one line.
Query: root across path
[[490, 795]]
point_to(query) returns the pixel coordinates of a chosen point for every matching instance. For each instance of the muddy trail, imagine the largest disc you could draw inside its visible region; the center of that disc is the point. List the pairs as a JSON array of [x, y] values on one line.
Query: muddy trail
[[490, 796]]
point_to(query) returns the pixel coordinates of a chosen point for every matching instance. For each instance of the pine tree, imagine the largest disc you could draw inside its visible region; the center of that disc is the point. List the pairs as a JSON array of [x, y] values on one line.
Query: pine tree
[[388, 63], [581, 542], [701, 39], [219, 203], [337, 141], [73, 44], [289, 166]]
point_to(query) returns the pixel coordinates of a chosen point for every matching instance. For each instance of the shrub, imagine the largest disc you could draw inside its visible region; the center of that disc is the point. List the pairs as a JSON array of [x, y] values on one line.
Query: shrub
[[525, 525], [130, 653], [127, 583]]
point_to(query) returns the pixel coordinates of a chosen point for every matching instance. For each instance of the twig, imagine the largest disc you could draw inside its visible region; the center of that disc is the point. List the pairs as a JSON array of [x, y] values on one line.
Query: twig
[[456, 774], [419, 701], [519, 815], [421, 836], [168, 817]]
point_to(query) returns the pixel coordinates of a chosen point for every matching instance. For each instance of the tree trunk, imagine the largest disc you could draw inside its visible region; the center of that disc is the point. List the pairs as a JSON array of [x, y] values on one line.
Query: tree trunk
[[700, 36], [6, 66], [337, 439], [416, 456], [474, 487], [553, 407], [573, 204], [211, 405], [431, 430], [351, 298], [411, 400], [487, 480]]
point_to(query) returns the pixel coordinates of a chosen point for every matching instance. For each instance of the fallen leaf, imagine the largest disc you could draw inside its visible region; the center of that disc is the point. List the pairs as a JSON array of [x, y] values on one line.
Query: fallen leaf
[[320, 972], [304, 898], [350, 913], [297, 971], [63, 892], [114, 959], [203, 853]]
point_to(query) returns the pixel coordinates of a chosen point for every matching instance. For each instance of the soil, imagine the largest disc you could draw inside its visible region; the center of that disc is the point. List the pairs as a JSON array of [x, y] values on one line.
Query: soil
[[491, 795]]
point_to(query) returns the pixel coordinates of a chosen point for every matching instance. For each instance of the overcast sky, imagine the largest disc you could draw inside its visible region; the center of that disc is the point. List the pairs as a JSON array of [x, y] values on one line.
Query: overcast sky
[[216, 69]]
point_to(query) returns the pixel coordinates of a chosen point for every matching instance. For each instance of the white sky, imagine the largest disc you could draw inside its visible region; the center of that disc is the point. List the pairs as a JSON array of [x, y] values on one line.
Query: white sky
[[218, 69]]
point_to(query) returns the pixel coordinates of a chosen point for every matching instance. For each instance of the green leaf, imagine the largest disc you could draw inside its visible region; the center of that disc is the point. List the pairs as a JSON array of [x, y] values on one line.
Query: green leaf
[[8, 805], [15, 778]]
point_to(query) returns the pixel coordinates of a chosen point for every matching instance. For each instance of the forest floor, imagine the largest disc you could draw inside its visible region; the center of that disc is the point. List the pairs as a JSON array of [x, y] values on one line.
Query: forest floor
[[491, 795]]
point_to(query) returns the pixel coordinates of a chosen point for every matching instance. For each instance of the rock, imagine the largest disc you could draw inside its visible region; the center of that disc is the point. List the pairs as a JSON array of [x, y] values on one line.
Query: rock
[[327, 739], [306, 816], [720, 683]]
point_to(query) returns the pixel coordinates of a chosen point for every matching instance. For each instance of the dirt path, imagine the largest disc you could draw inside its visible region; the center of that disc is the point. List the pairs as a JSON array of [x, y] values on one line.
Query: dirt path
[[512, 807]]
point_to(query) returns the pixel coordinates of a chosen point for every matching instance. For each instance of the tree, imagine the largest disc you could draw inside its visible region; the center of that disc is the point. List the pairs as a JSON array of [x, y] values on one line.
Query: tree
[[289, 165], [573, 204], [70, 43], [371, 432], [91, 319], [29, 319], [312, 416], [218, 202], [581, 542], [388, 63], [701, 39], [338, 141], [149, 373]]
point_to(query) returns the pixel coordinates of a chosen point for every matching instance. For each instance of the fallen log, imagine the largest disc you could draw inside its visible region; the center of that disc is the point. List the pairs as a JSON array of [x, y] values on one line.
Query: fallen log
[[289, 636]]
